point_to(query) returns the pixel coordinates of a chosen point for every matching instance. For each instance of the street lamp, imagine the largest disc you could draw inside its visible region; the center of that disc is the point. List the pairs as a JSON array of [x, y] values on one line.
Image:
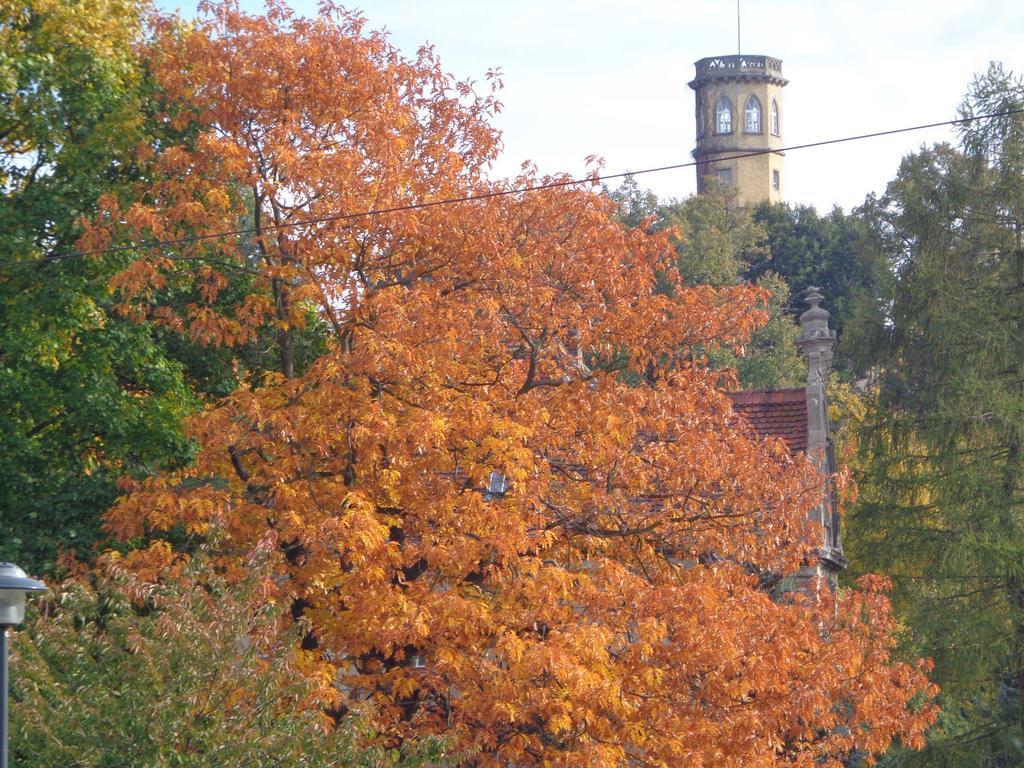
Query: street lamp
[[14, 589]]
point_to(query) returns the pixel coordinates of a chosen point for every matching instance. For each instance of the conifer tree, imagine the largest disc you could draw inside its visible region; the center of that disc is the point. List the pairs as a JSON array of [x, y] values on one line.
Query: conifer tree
[[943, 471]]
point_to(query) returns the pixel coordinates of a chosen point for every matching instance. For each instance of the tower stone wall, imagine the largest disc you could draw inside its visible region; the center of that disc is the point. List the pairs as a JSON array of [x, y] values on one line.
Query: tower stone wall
[[740, 82]]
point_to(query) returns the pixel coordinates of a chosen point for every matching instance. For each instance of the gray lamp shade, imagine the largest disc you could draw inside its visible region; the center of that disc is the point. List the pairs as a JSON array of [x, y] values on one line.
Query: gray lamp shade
[[14, 589]]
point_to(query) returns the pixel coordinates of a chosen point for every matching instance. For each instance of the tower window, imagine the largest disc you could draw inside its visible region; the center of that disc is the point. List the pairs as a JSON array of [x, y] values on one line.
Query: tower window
[[723, 116], [776, 179], [775, 118], [752, 114], [724, 175]]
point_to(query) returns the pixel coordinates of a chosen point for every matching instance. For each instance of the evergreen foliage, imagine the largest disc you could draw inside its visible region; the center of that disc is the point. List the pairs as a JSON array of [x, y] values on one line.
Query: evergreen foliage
[[941, 466], [837, 252]]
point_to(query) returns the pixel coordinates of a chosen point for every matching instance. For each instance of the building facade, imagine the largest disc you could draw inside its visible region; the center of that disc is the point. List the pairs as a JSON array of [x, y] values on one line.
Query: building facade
[[739, 111]]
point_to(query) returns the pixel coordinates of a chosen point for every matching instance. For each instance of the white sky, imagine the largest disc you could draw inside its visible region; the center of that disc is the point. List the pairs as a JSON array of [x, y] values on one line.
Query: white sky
[[596, 77]]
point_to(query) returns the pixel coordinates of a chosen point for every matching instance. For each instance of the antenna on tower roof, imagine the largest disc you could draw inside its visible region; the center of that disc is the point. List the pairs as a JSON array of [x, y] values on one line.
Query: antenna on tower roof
[[739, 51]]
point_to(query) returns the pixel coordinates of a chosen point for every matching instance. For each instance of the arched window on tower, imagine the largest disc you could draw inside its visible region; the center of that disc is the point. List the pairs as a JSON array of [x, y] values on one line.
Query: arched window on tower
[[752, 114], [723, 116], [775, 118]]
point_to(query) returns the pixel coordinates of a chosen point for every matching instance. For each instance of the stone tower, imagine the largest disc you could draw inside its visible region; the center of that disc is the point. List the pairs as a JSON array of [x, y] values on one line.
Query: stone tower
[[739, 110]]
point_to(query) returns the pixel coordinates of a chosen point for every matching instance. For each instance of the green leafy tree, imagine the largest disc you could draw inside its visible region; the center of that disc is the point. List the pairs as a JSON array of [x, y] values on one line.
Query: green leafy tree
[[717, 243], [180, 669], [714, 238], [635, 205], [942, 445], [86, 395], [772, 359]]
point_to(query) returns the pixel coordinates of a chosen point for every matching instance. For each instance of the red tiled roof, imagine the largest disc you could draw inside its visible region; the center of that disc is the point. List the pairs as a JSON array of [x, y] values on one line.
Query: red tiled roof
[[778, 413]]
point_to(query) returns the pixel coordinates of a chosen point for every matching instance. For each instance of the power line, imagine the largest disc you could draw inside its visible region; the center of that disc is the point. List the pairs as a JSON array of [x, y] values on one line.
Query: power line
[[593, 179]]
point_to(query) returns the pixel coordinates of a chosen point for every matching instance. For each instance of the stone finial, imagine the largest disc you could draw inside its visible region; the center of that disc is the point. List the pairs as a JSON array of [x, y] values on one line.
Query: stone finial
[[816, 338]]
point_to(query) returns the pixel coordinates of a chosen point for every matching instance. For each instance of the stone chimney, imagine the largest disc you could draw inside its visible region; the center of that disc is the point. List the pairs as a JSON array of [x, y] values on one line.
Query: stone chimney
[[816, 341]]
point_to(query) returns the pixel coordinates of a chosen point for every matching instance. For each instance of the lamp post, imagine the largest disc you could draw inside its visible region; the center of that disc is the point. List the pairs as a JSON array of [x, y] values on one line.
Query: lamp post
[[14, 589]]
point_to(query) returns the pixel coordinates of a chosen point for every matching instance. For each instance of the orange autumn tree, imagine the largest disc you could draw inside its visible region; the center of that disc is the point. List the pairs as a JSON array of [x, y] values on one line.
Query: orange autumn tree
[[514, 507]]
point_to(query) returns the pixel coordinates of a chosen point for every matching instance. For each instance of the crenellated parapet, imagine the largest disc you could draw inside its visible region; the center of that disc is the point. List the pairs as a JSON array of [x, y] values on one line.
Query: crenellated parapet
[[740, 67]]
